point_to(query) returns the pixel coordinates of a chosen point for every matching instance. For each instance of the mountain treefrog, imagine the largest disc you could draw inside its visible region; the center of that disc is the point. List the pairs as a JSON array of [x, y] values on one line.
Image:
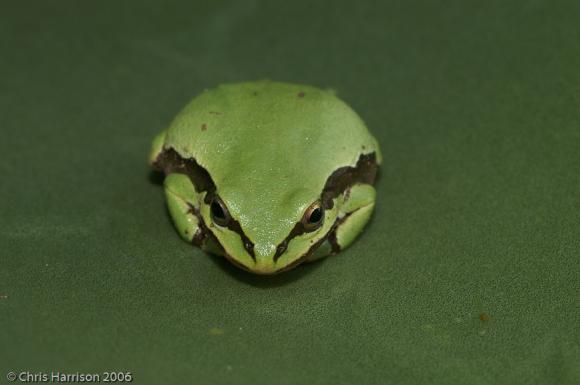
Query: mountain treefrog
[[268, 174]]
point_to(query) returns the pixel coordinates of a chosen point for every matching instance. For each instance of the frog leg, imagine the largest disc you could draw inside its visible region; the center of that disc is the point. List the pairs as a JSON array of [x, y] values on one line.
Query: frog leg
[[355, 211], [182, 200], [356, 207]]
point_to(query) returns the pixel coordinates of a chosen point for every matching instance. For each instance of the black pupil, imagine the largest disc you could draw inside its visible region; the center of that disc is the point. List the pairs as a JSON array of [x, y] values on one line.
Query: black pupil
[[315, 216], [217, 211]]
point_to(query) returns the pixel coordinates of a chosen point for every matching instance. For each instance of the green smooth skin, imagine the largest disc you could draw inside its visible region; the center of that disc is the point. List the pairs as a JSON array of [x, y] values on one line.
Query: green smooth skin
[[269, 148], [180, 194]]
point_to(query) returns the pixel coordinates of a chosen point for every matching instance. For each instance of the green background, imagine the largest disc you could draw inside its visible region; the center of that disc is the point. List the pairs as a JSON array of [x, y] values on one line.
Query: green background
[[467, 274]]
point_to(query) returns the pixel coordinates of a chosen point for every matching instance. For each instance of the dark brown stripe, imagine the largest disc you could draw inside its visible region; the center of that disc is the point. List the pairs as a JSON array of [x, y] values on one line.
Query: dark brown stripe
[[335, 247], [283, 246], [339, 182], [198, 240], [365, 171], [305, 255], [332, 237], [235, 226], [169, 161], [206, 235]]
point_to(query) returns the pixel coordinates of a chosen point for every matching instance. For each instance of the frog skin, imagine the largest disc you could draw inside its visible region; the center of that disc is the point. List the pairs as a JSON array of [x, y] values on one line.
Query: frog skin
[[268, 174]]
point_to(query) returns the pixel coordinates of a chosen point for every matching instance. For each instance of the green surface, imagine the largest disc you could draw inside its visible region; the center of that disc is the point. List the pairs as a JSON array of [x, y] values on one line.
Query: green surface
[[477, 109]]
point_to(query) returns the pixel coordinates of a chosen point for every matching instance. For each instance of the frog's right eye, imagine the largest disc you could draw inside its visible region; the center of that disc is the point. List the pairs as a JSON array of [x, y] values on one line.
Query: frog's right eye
[[313, 217], [219, 212]]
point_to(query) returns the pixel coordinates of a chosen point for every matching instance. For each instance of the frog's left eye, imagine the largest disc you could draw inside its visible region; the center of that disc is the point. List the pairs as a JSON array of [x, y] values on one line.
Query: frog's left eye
[[219, 212], [313, 217]]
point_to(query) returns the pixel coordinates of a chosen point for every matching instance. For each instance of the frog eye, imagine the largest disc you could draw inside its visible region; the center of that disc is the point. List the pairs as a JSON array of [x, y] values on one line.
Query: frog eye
[[219, 212], [313, 217]]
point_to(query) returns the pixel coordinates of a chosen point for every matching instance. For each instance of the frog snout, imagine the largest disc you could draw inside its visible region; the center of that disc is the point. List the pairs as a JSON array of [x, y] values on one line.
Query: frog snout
[[264, 252], [264, 256]]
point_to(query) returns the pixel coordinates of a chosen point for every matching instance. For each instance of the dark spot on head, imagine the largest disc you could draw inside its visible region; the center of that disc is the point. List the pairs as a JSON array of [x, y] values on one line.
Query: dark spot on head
[[204, 127], [363, 147], [255, 93], [301, 94], [215, 112], [186, 231], [484, 317]]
